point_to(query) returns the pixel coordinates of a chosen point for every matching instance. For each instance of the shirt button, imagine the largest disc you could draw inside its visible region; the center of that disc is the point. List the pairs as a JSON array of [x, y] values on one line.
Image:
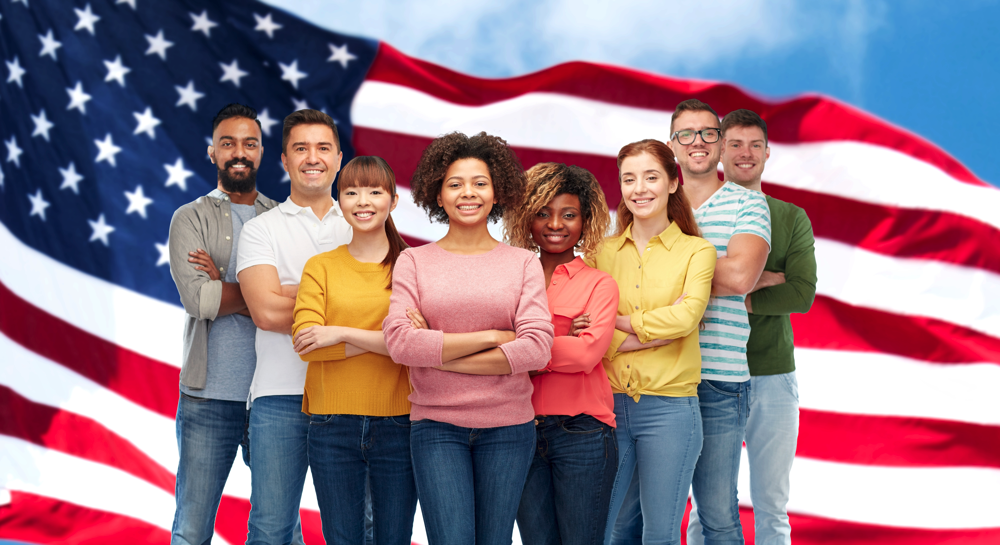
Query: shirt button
[[227, 238], [227, 214], [221, 269], [637, 286], [640, 266], [637, 307]]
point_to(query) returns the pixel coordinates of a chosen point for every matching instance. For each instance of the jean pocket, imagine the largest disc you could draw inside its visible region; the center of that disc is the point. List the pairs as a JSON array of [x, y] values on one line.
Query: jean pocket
[[582, 425], [791, 384], [401, 421], [321, 419], [731, 389]]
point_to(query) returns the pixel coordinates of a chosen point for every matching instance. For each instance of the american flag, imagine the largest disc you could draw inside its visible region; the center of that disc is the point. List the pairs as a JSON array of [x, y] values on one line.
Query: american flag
[[105, 113]]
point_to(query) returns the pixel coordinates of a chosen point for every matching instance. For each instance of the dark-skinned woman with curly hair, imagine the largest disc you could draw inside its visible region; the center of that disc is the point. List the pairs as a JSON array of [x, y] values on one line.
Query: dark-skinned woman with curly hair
[[468, 315], [568, 490]]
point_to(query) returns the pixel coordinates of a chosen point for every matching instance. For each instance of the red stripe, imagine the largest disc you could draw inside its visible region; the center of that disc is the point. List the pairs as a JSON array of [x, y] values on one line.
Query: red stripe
[[38, 519], [893, 231], [142, 380], [804, 119], [896, 441], [834, 325]]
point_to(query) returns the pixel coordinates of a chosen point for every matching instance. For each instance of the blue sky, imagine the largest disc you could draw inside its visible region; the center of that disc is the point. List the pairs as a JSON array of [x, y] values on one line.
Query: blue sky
[[930, 67]]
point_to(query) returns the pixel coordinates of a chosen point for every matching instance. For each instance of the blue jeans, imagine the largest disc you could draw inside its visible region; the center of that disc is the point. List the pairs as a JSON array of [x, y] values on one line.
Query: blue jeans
[[470, 480], [724, 410], [209, 434], [279, 432], [772, 434], [349, 452], [659, 440], [568, 489]]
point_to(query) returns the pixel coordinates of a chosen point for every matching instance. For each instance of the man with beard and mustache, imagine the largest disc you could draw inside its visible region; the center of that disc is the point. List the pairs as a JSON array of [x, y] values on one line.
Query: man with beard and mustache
[[219, 355]]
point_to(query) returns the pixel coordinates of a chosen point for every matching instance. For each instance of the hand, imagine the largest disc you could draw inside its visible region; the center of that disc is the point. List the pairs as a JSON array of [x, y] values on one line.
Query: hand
[[624, 323], [768, 279], [539, 372], [680, 299], [290, 291], [317, 336], [204, 263], [417, 320], [747, 304], [580, 323], [504, 336]]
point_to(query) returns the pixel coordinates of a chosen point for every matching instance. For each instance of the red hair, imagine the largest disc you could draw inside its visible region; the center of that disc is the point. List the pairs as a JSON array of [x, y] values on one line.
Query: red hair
[[678, 208]]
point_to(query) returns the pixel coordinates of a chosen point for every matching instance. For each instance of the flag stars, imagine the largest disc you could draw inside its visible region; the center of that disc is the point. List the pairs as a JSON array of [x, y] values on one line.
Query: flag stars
[[116, 70], [107, 150], [178, 174], [77, 98], [189, 96], [203, 24], [131, 3], [13, 151], [15, 72], [231, 72], [49, 45], [101, 230], [42, 125], [341, 55], [266, 25], [71, 178], [290, 72], [158, 45], [86, 20], [164, 250], [300, 104], [38, 205], [137, 202], [146, 123], [266, 122]]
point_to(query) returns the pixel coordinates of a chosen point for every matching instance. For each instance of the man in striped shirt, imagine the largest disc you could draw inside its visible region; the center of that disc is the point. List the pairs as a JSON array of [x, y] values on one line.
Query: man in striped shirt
[[737, 221]]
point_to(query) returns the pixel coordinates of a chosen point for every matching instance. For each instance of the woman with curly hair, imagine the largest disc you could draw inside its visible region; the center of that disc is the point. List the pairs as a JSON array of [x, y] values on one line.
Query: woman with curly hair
[[566, 495], [664, 272], [468, 315]]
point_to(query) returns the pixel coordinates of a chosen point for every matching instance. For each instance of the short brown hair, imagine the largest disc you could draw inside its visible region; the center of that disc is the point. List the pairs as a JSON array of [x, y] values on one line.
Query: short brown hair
[[547, 181], [743, 118], [690, 105], [678, 209], [505, 171], [307, 117]]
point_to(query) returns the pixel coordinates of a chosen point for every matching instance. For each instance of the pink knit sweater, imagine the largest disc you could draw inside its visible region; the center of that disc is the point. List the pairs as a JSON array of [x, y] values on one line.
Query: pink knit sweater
[[500, 289]]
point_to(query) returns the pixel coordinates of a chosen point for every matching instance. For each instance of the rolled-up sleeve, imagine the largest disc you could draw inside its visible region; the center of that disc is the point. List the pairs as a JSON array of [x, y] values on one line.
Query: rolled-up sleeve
[[583, 353], [200, 295], [531, 349], [407, 345]]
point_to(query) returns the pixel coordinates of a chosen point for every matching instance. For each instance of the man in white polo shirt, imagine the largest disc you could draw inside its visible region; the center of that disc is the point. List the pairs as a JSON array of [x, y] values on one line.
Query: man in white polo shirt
[[273, 250]]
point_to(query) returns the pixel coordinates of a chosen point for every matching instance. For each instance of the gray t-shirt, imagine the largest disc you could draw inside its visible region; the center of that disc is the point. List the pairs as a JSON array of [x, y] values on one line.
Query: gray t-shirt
[[232, 356]]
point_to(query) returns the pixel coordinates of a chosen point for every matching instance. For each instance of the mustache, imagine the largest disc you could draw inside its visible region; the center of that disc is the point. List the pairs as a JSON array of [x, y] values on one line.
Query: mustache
[[243, 162]]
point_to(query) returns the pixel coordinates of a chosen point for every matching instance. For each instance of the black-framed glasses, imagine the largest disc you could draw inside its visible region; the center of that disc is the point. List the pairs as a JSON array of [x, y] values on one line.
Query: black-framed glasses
[[708, 136]]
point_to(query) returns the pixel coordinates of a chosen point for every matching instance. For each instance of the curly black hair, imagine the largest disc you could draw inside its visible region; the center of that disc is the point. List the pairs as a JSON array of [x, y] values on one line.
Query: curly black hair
[[504, 166]]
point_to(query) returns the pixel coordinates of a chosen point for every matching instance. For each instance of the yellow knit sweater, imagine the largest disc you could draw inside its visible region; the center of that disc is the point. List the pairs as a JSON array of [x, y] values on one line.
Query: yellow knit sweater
[[337, 289]]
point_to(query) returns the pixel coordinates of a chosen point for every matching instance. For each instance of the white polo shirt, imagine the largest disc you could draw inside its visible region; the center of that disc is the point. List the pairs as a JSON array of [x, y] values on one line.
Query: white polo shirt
[[286, 237]]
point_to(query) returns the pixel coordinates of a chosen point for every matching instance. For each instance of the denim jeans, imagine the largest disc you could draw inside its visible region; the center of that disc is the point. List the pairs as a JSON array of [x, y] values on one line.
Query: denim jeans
[[209, 434], [568, 489], [724, 410], [470, 479], [659, 440], [279, 432], [772, 434], [348, 452]]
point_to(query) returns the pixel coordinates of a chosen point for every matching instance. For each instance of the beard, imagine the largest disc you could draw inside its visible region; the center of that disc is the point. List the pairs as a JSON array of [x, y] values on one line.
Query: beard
[[240, 183]]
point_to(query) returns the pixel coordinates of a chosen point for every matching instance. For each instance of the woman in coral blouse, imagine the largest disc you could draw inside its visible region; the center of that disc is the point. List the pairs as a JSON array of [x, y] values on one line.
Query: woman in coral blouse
[[359, 427], [468, 315], [664, 272], [568, 489]]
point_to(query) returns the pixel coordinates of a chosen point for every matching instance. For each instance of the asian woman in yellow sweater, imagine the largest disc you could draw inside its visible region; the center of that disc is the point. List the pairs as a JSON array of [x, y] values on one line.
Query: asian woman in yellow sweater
[[355, 394]]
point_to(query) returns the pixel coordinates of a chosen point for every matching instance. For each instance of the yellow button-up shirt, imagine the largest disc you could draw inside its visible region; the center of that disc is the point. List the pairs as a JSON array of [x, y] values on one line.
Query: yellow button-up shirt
[[671, 264]]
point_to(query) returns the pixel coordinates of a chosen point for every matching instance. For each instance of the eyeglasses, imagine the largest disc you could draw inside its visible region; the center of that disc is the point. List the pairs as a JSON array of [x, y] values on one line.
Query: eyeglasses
[[708, 136]]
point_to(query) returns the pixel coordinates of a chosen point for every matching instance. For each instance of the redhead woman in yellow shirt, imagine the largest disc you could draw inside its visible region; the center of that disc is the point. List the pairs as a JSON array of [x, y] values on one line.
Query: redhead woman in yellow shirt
[[356, 396], [664, 273]]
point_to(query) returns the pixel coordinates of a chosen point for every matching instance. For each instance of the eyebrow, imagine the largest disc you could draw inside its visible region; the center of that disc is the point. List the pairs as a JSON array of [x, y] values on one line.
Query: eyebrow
[[317, 143], [474, 177], [254, 138]]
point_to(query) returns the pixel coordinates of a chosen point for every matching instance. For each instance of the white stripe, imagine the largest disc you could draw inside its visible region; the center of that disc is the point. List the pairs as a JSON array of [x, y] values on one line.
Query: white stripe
[[124, 317], [932, 498], [877, 384], [915, 287], [853, 170]]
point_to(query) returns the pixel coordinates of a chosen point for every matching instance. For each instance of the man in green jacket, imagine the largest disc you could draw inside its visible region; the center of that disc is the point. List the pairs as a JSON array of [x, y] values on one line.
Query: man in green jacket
[[787, 285]]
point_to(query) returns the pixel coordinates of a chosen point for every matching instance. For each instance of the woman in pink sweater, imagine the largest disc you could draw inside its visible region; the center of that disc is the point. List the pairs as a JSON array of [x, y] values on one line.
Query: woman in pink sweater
[[469, 316]]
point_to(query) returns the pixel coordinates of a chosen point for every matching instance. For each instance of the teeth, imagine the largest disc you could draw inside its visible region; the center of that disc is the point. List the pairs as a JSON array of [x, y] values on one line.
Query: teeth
[[312, 171], [643, 201], [468, 207], [745, 165], [699, 154], [365, 214]]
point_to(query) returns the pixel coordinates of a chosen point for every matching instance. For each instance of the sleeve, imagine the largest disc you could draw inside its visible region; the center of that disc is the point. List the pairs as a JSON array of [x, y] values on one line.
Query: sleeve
[[582, 354], [200, 295], [754, 217], [406, 345], [255, 246], [676, 321], [310, 310], [799, 289], [531, 349]]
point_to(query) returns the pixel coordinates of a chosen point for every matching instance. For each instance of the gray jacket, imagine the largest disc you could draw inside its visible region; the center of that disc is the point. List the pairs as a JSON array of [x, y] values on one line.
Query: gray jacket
[[206, 224]]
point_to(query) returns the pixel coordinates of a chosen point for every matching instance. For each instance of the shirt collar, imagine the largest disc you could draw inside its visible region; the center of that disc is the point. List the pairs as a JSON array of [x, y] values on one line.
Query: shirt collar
[[574, 267], [219, 196], [292, 209], [667, 238]]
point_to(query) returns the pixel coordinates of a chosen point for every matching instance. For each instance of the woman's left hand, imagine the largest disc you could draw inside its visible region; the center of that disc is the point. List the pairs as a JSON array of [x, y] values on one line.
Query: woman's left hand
[[416, 319], [317, 336]]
